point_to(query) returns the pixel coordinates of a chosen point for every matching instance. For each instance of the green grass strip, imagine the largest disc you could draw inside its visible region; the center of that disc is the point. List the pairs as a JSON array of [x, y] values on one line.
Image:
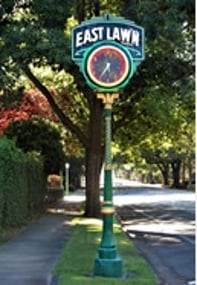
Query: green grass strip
[[75, 265]]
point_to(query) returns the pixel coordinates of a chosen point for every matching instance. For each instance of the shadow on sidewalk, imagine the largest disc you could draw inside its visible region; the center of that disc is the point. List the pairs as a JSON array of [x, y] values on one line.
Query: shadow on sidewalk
[[29, 258]]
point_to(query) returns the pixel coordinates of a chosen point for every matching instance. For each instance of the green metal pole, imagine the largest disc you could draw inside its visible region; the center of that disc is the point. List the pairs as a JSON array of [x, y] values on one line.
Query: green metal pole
[[67, 166], [107, 263], [108, 209]]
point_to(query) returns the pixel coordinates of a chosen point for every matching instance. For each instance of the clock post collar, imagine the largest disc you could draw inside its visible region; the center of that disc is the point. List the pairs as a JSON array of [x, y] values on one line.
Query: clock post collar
[[108, 99]]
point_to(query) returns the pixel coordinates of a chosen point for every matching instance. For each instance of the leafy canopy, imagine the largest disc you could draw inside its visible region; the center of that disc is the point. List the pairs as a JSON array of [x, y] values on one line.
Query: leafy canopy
[[159, 96]]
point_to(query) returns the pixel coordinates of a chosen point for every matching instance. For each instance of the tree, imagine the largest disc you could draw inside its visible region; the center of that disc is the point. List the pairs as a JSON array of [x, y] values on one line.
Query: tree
[[33, 34], [41, 136], [30, 104]]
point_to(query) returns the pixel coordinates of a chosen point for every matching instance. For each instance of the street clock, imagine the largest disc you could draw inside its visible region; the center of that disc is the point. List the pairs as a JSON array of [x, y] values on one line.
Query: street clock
[[107, 66]]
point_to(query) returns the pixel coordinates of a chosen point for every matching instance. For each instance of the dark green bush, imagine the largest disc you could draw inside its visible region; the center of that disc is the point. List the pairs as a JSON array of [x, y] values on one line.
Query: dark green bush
[[22, 184], [13, 184], [39, 135], [36, 183]]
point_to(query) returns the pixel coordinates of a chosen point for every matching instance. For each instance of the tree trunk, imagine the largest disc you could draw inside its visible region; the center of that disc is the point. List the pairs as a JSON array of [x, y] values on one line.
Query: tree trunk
[[190, 168], [164, 168], [176, 166], [165, 177], [94, 160], [92, 143], [183, 173]]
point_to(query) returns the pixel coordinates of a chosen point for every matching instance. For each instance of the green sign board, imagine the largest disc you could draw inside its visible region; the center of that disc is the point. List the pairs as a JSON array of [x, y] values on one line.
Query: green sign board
[[108, 50]]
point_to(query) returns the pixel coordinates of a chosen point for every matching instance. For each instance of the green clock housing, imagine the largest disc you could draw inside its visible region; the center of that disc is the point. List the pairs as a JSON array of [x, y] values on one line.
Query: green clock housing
[[107, 66]]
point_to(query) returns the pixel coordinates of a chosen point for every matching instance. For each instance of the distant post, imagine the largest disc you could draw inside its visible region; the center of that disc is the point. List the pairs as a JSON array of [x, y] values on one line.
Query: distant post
[[67, 166]]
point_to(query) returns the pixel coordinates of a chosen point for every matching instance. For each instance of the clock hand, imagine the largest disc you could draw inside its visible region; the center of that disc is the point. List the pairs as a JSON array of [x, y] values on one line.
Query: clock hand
[[107, 68]]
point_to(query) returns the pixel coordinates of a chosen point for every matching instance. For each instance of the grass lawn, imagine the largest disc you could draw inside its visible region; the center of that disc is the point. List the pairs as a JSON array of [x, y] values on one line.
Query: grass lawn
[[75, 265]]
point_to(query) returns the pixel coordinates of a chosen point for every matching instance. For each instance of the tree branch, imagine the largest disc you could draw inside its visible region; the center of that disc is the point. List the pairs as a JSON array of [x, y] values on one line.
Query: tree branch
[[64, 119]]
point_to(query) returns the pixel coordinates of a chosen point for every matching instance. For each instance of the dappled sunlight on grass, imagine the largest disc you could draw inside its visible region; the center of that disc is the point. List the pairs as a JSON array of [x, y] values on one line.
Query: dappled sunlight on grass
[[91, 225], [87, 221], [75, 266]]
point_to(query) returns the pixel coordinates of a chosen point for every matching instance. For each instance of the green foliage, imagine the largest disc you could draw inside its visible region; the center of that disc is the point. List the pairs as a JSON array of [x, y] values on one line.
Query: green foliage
[[13, 181], [35, 34], [36, 183], [41, 136], [61, 10], [21, 185], [11, 96]]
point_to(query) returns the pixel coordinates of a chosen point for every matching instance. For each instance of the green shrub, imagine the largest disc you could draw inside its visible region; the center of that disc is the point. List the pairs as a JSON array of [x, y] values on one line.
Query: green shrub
[[22, 184], [41, 136], [36, 183], [13, 184]]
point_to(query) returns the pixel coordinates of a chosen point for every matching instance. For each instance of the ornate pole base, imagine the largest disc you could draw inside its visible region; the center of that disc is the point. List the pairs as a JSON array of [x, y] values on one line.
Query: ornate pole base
[[108, 267], [107, 263]]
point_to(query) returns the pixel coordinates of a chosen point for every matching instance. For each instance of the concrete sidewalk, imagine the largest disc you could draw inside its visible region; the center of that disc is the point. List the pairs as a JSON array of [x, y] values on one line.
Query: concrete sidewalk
[[30, 258]]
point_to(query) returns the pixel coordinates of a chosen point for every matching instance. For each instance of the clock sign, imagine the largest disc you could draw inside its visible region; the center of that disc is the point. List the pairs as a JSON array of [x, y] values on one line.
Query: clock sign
[[108, 51], [107, 66]]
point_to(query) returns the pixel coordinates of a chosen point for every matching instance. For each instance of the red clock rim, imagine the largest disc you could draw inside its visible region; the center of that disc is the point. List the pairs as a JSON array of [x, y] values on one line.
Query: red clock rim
[[99, 82]]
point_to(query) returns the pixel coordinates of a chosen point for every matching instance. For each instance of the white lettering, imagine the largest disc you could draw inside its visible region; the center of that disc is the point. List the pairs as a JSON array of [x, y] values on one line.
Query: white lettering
[[87, 36], [126, 35], [108, 34], [95, 36], [99, 33], [79, 39], [116, 34], [135, 38]]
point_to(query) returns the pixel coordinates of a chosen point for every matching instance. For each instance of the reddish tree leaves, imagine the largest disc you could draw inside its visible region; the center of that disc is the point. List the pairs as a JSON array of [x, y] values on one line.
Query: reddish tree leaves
[[33, 104]]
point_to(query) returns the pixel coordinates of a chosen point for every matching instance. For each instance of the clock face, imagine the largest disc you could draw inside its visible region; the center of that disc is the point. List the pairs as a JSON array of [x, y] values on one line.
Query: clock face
[[108, 66]]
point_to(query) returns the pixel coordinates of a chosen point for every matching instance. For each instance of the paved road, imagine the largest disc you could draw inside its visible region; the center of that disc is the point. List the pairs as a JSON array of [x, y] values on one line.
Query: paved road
[[161, 223]]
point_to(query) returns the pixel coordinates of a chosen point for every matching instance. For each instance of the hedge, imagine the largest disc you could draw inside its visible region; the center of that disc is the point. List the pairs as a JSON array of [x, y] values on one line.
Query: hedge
[[21, 184], [36, 183]]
